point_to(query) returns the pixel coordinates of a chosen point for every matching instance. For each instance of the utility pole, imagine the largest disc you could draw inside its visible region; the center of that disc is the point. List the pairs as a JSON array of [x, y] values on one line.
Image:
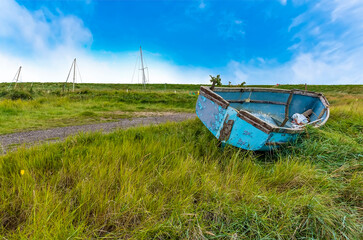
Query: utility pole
[[143, 69]]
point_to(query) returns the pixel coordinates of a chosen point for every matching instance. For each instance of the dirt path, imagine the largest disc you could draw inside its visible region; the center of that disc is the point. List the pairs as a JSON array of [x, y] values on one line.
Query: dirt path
[[12, 141]]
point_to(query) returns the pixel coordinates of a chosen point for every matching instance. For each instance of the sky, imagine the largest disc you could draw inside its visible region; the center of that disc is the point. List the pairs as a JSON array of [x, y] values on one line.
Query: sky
[[183, 41]]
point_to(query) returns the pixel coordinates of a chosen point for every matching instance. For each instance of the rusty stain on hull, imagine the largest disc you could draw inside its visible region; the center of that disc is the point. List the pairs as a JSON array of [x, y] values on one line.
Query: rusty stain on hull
[[226, 130]]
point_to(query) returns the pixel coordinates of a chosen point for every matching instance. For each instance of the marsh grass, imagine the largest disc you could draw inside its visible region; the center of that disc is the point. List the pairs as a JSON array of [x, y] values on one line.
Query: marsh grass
[[45, 105], [172, 181]]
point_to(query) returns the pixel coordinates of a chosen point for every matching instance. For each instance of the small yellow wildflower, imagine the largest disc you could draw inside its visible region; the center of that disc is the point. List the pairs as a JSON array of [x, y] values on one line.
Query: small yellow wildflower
[[22, 172]]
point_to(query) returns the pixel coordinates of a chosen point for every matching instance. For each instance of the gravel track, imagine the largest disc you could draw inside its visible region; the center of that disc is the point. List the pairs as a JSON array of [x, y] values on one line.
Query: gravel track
[[12, 141]]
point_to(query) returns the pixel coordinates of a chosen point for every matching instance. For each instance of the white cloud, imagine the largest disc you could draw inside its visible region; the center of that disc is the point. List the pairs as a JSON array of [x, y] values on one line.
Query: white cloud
[[283, 2], [48, 43], [45, 45], [39, 31], [344, 8], [329, 50], [114, 68], [304, 68]]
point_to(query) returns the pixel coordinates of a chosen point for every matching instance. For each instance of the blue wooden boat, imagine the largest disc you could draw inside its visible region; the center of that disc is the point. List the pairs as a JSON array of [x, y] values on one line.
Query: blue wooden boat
[[258, 119]]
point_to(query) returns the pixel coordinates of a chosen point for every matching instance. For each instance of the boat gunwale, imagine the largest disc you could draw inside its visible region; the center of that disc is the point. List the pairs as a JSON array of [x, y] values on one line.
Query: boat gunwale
[[257, 89], [257, 122], [206, 92]]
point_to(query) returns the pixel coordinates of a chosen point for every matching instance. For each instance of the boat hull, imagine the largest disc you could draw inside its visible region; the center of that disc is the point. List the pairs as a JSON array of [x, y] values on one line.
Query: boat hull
[[246, 130]]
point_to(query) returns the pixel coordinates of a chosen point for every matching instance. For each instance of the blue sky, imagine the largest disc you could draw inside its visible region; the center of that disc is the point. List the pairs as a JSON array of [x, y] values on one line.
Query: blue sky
[[260, 42]]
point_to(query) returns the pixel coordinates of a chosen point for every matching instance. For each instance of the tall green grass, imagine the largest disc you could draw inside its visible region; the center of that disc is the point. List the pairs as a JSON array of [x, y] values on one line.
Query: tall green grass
[[172, 181], [44, 105]]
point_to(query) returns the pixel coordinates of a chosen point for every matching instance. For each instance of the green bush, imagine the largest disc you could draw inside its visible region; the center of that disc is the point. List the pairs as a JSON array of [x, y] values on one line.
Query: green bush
[[16, 94], [3, 93]]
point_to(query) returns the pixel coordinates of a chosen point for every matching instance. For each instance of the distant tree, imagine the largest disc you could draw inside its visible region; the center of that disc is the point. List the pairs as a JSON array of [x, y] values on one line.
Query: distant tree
[[242, 84], [215, 81]]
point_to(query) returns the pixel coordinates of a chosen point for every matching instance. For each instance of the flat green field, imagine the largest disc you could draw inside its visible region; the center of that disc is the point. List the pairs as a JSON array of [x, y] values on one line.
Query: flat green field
[[46, 105], [172, 181]]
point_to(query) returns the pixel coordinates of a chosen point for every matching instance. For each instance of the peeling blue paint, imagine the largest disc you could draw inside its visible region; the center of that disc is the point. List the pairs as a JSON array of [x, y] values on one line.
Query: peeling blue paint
[[241, 142], [211, 114], [245, 135], [200, 105]]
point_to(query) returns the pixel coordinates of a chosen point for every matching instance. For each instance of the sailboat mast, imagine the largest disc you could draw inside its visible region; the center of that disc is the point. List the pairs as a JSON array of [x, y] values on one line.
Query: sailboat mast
[[17, 77], [74, 72], [142, 68]]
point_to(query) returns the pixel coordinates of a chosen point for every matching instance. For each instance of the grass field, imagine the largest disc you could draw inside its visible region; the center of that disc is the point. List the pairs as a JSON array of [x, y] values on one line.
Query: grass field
[[34, 106], [172, 181], [45, 106]]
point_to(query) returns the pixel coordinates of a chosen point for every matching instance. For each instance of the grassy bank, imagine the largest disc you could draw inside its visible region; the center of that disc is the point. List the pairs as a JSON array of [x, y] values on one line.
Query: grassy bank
[[44, 105], [172, 181], [45, 110], [49, 87]]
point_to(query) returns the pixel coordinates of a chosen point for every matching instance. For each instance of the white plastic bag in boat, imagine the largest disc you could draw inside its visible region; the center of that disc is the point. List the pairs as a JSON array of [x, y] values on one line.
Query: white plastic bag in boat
[[298, 120]]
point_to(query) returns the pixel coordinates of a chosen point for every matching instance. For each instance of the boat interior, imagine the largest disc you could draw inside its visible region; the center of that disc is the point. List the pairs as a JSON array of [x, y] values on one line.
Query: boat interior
[[276, 106]]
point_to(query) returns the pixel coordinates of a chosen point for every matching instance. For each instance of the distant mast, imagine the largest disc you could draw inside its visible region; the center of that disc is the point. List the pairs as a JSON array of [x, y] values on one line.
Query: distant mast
[[143, 69], [74, 67], [16, 78], [141, 65], [74, 72]]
